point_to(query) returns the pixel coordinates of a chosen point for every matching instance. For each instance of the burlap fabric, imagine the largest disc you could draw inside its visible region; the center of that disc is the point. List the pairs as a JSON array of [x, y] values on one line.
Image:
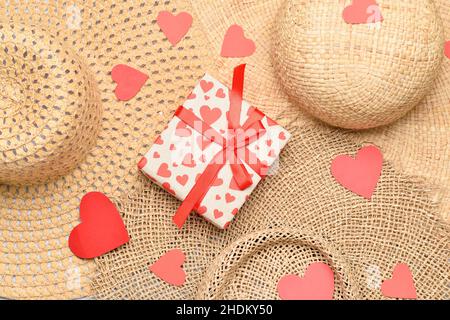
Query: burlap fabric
[[400, 224], [56, 95]]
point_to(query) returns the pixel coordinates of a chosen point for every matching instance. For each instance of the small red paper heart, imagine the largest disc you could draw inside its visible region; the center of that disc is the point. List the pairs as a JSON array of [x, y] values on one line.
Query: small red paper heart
[[169, 267], [235, 212], [192, 96], [175, 27], [282, 136], [218, 214], [359, 175], [156, 155], [235, 45], [101, 229], [447, 49], [220, 94], [188, 161], [164, 171], [210, 115], [269, 143], [159, 140], [183, 179], [316, 284], [206, 85], [229, 198], [129, 81], [182, 130], [142, 163], [362, 12], [401, 285], [218, 197], [207, 98], [172, 147]]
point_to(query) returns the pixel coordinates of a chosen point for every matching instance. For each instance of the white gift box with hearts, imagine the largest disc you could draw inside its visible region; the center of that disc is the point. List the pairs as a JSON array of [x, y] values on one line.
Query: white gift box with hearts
[[181, 154]]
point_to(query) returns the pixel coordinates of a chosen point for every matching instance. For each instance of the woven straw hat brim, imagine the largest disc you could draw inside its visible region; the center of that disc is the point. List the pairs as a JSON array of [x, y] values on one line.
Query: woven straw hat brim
[[418, 144], [256, 259], [35, 221]]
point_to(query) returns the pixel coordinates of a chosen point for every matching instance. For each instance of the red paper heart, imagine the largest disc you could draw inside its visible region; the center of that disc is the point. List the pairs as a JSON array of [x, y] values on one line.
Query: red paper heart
[[159, 140], [164, 171], [235, 45], [359, 175], [174, 27], [169, 267], [183, 179], [282, 136], [362, 12], [129, 81], [401, 285], [210, 115], [156, 155], [316, 284], [447, 49], [101, 229]]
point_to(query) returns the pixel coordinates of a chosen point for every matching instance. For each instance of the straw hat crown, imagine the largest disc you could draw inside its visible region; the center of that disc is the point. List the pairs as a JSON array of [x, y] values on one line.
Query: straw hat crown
[[49, 106], [358, 76]]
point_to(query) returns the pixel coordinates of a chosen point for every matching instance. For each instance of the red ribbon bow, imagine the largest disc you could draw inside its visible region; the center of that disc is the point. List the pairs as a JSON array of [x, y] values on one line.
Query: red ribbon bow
[[234, 149]]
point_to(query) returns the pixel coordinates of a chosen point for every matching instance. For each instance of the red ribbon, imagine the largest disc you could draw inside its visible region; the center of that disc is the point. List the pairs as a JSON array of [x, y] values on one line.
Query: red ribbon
[[234, 150]]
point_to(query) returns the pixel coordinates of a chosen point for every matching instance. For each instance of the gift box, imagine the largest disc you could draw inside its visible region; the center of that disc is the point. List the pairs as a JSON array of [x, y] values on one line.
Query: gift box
[[214, 151]]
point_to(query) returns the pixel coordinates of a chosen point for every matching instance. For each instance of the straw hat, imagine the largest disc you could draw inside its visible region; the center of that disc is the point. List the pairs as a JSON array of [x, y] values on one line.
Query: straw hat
[[418, 143], [63, 132]]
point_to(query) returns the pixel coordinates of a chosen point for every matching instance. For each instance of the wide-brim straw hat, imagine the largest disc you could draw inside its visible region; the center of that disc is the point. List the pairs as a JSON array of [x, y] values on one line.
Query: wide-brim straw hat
[[63, 132], [86, 41]]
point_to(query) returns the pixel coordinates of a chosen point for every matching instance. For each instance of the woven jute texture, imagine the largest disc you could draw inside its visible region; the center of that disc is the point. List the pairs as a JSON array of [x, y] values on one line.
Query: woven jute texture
[[400, 224], [417, 144], [58, 113], [357, 76]]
